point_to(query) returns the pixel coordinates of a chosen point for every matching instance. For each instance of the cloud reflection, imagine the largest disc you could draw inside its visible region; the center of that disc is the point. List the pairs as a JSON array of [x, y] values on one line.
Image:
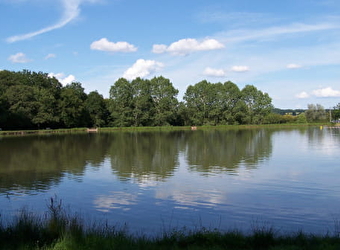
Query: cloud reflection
[[186, 198], [116, 200]]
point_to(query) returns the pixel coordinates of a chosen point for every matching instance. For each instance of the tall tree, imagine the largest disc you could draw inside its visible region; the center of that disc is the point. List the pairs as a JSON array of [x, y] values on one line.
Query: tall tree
[[30, 99], [121, 103], [47, 92], [199, 101], [3, 112], [335, 115], [164, 99], [233, 106], [96, 107], [315, 113], [142, 102], [72, 106], [258, 104]]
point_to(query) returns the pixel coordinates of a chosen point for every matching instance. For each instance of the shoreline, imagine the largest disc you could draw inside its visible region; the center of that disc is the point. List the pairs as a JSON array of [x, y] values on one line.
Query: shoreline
[[164, 128], [60, 229]]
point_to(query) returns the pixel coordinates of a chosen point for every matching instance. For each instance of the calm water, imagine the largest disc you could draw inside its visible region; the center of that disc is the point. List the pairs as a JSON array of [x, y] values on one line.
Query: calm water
[[154, 181]]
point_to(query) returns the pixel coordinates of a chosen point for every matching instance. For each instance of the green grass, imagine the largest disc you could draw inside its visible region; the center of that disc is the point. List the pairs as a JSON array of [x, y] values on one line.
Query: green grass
[[58, 230]]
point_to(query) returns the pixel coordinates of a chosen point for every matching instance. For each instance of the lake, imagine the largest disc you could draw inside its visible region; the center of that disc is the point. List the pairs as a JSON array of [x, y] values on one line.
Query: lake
[[158, 180]]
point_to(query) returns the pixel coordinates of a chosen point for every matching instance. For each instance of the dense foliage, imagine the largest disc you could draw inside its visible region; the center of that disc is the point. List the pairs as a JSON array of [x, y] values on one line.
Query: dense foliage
[[36, 100], [31, 100], [335, 114]]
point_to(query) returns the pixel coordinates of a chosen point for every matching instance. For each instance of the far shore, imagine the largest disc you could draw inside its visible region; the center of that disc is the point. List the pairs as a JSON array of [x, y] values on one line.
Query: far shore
[[162, 128]]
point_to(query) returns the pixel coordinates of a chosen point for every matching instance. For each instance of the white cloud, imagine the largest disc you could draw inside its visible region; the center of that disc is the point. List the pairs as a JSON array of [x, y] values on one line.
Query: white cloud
[[186, 46], [326, 92], [142, 68], [71, 11], [214, 72], [64, 80], [302, 95], [19, 58], [240, 68], [50, 56], [293, 66], [105, 45], [159, 48]]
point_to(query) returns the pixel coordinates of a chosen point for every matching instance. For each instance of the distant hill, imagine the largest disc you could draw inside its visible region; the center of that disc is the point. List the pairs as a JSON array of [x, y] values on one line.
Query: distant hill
[[288, 111]]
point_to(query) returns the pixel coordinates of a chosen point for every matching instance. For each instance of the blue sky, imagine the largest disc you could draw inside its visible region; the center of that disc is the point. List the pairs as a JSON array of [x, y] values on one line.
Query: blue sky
[[289, 49]]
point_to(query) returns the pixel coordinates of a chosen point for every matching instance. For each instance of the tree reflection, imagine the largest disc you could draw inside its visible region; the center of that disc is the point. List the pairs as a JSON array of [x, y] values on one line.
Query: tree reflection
[[214, 151], [145, 156], [37, 162]]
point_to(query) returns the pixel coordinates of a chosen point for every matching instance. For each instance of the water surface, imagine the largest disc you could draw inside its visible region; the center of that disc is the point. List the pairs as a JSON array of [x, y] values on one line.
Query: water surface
[[154, 181]]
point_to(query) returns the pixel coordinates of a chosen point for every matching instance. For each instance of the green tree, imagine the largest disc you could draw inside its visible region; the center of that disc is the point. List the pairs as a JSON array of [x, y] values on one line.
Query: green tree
[[121, 103], [47, 109], [315, 113], [29, 98], [273, 118], [233, 106], [142, 102], [199, 101], [301, 118], [164, 99], [214, 103], [3, 112], [183, 116], [336, 112], [23, 106], [72, 106], [47, 92], [258, 104], [96, 107]]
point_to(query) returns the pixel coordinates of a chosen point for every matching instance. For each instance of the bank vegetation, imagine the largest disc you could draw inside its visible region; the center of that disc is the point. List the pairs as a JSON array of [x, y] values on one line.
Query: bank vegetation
[[60, 229]]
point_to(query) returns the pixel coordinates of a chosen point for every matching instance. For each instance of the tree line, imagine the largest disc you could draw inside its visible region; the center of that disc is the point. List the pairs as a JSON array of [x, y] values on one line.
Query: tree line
[[35, 100]]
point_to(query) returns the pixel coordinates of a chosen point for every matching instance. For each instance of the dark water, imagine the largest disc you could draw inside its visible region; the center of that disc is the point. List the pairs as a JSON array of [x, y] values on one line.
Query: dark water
[[154, 181]]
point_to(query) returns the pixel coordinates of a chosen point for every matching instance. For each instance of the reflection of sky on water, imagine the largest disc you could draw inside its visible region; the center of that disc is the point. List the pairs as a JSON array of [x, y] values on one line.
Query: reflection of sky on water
[[116, 200], [191, 193]]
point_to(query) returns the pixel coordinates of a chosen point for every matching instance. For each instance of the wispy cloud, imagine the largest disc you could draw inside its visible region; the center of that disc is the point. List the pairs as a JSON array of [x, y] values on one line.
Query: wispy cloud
[[49, 56], [19, 58], [186, 46], [234, 19], [71, 11], [105, 45], [242, 35]]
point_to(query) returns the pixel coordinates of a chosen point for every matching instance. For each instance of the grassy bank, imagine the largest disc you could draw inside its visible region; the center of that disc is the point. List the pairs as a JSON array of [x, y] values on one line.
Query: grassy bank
[[164, 128], [87, 130], [58, 229]]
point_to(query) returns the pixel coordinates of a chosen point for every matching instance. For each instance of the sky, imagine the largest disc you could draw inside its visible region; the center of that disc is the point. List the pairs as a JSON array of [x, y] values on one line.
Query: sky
[[289, 49]]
